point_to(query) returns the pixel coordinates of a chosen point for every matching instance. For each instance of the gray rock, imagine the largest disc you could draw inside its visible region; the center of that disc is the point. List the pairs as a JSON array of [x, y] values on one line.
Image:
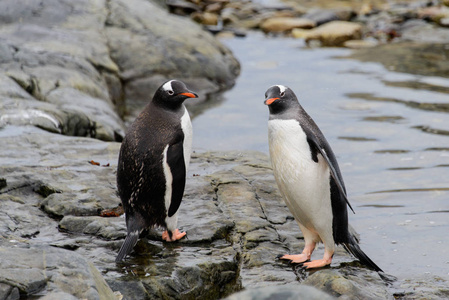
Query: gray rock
[[168, 46], [59, 272], [74, 63], [423, 32], [59, 58], [321, 16], [285, 292], [344, 283], [8, 292], [409, 57], [108, 228]]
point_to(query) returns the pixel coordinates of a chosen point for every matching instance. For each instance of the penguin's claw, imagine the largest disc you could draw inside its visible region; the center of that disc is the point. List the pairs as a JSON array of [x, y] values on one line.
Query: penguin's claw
[[319, 263], [296, 259], [176, 235]]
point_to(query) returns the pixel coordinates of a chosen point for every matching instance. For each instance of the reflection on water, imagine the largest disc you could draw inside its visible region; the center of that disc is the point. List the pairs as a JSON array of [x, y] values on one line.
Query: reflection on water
[[396, 175]]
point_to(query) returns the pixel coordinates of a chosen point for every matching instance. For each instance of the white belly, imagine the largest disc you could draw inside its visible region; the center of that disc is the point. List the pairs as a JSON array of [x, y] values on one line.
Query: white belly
[[303, 183], [186, 126]]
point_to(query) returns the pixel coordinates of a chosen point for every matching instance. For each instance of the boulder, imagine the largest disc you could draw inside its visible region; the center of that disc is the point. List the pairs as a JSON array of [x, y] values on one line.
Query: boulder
[[150, 50], [282, 24], [75, 63], [335, 33]]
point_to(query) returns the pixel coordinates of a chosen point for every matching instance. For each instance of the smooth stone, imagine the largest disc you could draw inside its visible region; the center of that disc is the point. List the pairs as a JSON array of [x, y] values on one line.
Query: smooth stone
[[322, 16], [205, 18], [335, 33], [282, 24], [358, 44]]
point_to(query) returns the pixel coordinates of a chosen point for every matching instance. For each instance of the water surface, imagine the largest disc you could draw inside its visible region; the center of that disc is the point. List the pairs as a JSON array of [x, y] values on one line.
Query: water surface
[[389, 130]]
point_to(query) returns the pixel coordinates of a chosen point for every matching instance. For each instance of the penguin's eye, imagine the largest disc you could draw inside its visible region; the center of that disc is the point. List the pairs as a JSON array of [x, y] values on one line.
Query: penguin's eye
[[170, 92], [282, 94]]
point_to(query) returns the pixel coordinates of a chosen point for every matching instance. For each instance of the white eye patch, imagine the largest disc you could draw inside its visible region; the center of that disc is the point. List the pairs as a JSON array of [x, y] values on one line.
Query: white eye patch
[[281, 88], [167, 86]]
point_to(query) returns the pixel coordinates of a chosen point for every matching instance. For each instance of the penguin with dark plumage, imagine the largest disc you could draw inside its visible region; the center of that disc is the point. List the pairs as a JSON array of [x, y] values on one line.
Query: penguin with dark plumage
[[153, 161], [309, 180]]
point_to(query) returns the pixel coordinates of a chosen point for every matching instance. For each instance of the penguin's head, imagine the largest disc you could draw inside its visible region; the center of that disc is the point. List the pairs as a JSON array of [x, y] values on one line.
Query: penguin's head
[[172, 94], [280, 98]]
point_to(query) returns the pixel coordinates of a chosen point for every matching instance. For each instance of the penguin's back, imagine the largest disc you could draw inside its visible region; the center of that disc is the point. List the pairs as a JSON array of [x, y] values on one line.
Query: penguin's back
[[141, 181]]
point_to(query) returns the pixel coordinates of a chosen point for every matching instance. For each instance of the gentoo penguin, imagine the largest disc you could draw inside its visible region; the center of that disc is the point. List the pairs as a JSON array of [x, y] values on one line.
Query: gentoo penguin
[[152, 165], [309, 179]]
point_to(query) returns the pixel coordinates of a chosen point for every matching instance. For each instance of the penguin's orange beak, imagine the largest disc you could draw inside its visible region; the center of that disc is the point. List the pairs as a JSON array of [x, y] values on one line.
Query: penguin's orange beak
[[271, 100], [189, 95]]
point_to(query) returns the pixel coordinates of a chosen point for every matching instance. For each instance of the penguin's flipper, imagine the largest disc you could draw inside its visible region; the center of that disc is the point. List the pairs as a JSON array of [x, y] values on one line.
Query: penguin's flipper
[[128, 245], [176, 163], [313, 141]]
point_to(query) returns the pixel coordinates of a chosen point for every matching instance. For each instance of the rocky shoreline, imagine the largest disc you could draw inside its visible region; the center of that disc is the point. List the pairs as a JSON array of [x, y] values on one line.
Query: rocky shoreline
[[351, 24], [235, 219], [72, 75]]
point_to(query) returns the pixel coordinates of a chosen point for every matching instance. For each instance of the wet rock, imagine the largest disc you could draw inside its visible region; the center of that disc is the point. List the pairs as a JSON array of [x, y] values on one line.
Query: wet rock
[[341, 283], [54, 272], [235, 220], [287, 292], [108, 228], [286, 24], [335, 33], [409, 57], [423, 32]]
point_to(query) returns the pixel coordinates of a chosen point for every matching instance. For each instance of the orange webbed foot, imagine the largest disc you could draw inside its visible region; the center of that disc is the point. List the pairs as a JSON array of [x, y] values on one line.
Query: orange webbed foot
[[176, 235], [297, 258], [319, 263]]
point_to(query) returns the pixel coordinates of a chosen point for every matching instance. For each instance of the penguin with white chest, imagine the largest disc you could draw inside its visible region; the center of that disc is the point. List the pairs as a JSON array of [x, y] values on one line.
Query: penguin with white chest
[[153, 161], [309, 179]]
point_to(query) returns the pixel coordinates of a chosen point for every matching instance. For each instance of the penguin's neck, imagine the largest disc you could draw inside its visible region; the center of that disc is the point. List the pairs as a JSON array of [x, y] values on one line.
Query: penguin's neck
[[176, 108], [285, 112]]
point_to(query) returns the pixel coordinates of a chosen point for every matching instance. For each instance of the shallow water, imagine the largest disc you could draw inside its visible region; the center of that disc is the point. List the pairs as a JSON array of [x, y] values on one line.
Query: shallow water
[[389, 131]]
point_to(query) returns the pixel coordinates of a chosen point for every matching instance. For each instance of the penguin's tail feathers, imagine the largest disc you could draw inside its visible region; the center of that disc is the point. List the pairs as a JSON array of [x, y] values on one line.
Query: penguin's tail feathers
[[353, 248], [128, 245]]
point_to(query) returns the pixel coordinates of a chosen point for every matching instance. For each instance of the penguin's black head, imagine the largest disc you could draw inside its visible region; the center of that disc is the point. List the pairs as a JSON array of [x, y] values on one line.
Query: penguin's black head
[[280, 98], [172, 94]]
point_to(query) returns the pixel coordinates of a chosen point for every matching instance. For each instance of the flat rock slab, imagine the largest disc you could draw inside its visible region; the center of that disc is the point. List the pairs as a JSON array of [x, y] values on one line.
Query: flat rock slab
[[51, 271], [54, 188]]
